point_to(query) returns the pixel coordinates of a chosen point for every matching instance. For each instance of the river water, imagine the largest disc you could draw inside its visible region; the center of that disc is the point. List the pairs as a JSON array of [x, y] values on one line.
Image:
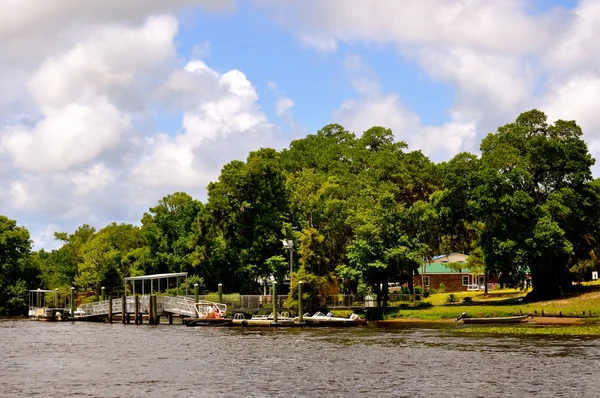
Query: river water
[[101, 360]]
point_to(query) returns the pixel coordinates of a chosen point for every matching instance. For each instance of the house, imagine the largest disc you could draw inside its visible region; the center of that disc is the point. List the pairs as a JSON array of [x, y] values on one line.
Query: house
[[432, 274]]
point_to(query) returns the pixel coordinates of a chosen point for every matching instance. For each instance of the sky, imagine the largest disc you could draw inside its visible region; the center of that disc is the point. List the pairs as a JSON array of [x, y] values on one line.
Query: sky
[[108, 106]]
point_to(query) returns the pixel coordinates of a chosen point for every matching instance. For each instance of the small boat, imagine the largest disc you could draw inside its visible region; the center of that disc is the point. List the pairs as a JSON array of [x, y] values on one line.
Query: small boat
[[210, 314], [47, 305], [500, 319], [320, 319]]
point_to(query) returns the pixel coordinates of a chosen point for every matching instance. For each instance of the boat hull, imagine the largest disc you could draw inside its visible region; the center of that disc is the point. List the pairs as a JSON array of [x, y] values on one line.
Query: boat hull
[[507, 319]]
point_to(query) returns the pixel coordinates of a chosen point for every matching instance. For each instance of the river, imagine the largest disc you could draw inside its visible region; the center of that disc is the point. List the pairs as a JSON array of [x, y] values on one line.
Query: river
[[101, 360]]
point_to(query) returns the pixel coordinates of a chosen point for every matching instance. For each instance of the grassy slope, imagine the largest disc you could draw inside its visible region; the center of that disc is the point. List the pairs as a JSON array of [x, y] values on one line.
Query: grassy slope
[[506, 303]]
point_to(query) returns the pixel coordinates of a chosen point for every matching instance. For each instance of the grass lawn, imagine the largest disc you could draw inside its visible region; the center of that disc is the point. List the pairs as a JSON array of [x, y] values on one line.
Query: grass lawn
[[506, 302]]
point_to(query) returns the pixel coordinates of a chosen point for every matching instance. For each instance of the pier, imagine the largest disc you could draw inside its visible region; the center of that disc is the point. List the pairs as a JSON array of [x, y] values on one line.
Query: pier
[[153, 304]]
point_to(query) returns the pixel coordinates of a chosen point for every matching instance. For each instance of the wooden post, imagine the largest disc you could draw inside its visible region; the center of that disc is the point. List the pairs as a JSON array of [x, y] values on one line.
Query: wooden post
[[151, 309], [220, 290], [275, 301], [170, 318], [72, 302], [155, 309], [123, 308], [102, 294], [136, 308], [196, 293], [300, 308], [542, 312], [110, 310]]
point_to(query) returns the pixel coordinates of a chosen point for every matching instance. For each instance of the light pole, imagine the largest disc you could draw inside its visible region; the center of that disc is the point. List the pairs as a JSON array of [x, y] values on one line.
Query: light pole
[[289, 244]]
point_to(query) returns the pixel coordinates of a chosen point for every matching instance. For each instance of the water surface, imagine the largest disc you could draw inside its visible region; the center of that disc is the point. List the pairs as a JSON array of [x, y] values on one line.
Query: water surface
[[102, 360]]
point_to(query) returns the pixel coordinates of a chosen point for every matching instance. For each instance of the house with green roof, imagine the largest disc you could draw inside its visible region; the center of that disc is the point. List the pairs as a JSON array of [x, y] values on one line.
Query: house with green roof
[[433, 274]]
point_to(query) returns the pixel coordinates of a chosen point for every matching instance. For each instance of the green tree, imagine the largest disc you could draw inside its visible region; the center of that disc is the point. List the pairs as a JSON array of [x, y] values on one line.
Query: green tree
[[16, 271], [167, 231], [245, 213], [536, 202]]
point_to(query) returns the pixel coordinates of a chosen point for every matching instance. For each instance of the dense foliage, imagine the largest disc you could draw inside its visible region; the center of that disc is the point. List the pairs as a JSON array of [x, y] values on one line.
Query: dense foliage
[[362, 212]]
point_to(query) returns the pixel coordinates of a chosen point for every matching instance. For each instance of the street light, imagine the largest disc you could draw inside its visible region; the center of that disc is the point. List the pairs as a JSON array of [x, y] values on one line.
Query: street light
[[289, 244]]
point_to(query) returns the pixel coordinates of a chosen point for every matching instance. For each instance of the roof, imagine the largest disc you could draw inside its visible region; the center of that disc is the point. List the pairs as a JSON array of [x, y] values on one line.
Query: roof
[[439, 268], [156, 276]]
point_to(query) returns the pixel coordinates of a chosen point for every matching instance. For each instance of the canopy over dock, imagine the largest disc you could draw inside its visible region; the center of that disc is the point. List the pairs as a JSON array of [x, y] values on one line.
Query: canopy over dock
[[158, 278]]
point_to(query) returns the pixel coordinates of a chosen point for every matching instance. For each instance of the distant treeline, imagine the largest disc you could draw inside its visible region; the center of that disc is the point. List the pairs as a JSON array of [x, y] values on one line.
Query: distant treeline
[[361, 211]]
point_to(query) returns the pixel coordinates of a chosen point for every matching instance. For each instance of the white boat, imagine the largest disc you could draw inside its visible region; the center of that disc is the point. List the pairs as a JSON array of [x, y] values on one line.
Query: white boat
[[320, 319], [210, 310], [498, 319]]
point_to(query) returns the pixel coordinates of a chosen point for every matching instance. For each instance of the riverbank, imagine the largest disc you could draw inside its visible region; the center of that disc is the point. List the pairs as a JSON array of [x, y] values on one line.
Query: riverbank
[[577, 308]]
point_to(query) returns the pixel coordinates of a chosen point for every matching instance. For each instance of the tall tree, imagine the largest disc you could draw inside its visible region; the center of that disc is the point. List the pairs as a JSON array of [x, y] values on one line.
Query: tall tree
[[247, 207], [534, 197], [167, 231], [15, 268]]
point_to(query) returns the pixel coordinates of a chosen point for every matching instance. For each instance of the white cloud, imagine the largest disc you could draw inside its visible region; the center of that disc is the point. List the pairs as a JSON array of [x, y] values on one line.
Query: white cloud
[[474, 23], [283, 107], [576, 49], [500, 57], [67, 137], [438, 142], [44, 237], [82, 91], [220, 110]]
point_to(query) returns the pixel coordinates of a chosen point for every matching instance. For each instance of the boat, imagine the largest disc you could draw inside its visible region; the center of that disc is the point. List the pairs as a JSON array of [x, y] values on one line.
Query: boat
[[47, 305], [320, 319], [500, 319], [210, 314]]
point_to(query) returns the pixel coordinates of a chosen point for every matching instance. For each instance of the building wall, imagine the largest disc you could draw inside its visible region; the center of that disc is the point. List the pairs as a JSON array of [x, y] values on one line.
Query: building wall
[[453, 281]]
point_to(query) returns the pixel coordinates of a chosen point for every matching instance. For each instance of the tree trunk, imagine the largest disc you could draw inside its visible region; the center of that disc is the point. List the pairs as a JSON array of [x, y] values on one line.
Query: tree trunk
[[485, 279], [386, 292], [547, 284]]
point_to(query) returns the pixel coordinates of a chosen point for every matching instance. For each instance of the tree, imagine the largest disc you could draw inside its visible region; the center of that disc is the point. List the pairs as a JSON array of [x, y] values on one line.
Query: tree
[[245, 213], [15, 268], [167, 231], [536, 202]]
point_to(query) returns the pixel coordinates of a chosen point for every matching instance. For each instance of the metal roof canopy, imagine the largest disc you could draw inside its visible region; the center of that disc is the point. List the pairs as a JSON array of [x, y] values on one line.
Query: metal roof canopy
[[43, 291], [157, 277]]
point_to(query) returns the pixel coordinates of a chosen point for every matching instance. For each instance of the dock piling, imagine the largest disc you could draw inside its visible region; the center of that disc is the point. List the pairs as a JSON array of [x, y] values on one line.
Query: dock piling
[[136, 308], [123, 308], [275, 301], [72, 302], [110, 312], [300, 309], [102, 294], [150, 310], [220, 290]]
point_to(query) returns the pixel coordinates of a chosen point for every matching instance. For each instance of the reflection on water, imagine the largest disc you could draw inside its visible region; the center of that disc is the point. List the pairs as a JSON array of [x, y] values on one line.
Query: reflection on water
[[101, 360]]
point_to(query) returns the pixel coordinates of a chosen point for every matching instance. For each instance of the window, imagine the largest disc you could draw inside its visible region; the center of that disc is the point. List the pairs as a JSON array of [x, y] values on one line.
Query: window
[[426, 281], [465, 280], [481, 280]]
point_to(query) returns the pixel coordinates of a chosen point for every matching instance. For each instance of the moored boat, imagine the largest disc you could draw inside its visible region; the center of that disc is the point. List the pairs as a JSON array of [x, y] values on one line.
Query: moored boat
[[320, 319], [210, 314], [501, 319]]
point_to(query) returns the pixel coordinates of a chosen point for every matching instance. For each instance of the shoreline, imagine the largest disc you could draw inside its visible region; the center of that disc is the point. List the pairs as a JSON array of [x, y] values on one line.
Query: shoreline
[[538, 320]]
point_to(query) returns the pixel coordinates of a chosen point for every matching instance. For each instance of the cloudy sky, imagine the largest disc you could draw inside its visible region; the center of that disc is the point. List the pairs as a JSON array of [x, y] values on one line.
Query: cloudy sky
[[107, 106]]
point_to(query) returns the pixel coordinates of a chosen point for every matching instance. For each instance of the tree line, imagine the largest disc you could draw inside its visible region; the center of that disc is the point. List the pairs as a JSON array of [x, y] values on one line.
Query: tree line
[[362, 211]]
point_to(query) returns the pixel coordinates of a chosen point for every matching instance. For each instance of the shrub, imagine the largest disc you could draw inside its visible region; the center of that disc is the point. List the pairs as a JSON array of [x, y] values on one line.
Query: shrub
[[451, 298], [426, 293], [442, 288], [418, 290]]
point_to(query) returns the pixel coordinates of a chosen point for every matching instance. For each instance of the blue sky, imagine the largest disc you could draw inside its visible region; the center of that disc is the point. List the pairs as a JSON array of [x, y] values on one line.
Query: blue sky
[[109, 106]]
